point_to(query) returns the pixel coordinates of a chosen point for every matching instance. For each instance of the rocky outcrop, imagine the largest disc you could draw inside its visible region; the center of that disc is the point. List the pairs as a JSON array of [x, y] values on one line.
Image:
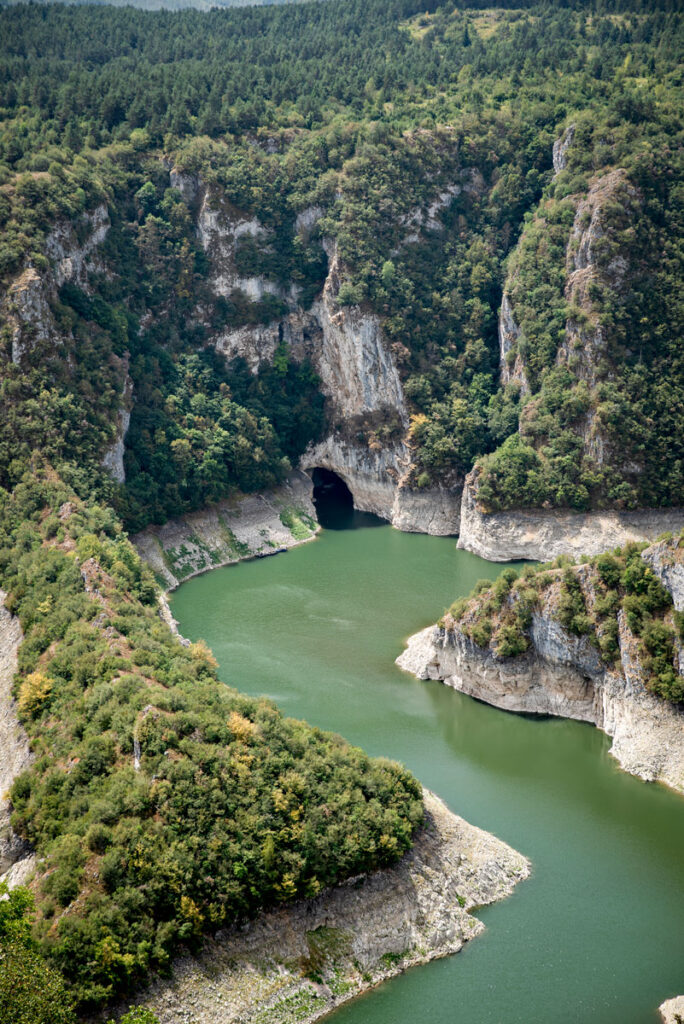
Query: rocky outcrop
[[26, 305], [72, 260], [307, 219], [358, 374], [585, 345], [357, 370], [257, 343], [295, 964], [249, 526], [348, 350], [220, 225], [672, 1011], [541, 535], [511, 367], [113, 459], [563, 675], [26, 310], [15, 855], [667, 561], [561, 147]]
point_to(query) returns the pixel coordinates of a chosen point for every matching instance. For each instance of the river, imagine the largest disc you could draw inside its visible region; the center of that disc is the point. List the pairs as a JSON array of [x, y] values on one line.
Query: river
[[596, 935]]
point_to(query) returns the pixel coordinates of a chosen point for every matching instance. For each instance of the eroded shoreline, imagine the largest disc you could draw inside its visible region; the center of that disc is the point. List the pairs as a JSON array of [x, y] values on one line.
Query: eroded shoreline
[[236, 530], [295, 964]]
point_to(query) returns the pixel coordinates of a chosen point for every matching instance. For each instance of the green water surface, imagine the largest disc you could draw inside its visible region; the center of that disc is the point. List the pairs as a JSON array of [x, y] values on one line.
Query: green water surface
[[596, 934]]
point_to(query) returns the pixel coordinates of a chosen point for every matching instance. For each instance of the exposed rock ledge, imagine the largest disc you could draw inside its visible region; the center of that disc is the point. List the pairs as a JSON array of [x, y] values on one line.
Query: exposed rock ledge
[[543, 535], [350, 938], [250, 526], [562, 675], [16, 860], [672, 1011]]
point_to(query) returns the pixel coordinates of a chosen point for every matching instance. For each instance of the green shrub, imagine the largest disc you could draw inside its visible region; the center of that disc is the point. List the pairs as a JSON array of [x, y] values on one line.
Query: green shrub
[[481, 632], [511, 642]]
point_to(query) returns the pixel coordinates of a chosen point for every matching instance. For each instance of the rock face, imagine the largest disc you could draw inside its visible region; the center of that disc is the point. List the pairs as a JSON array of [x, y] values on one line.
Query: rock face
[[219, 228], [585, 347], [356, 368], [73, 260], [563, 675], [348, 350], [561, 147], [672, 1011], [73, 252], [667, 562], [26, 310], [251, 526], [26, 306], [295, 964], [541, 535], [509, 333], [15, 854], [113, 459]]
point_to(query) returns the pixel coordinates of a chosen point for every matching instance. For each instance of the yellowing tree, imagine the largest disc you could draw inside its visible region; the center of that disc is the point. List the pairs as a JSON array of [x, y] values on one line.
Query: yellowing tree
[[33, 693]]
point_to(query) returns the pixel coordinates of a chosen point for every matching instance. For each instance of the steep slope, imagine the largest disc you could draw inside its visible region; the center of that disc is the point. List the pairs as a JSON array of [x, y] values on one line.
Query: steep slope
[[588, 372]]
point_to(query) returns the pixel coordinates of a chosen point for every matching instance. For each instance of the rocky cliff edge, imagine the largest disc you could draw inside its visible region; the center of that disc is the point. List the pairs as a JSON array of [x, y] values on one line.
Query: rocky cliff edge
[[541, 534]]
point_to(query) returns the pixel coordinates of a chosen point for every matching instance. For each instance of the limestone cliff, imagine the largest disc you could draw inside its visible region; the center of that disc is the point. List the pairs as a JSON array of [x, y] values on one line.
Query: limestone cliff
[[558, 672], [667, 562], [599, 263], [561, 147], [73, 252], [220, 225], [511, 366], [113, 458], [16, 860], [26, 306], [672, 1011], [347, 348], [295, 964], [543, 534]]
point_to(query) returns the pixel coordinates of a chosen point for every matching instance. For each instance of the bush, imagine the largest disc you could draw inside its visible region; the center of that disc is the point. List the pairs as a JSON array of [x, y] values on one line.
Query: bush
[[481, 632], [511, 642]]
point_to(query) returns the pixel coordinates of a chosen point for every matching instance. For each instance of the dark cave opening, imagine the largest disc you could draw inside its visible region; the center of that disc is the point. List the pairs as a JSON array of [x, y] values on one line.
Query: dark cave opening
[[333, 500], [335, 503]]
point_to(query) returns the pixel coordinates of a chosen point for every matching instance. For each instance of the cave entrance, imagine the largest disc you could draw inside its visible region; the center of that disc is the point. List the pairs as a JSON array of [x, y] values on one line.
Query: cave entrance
[[333, 500], [335, 503]]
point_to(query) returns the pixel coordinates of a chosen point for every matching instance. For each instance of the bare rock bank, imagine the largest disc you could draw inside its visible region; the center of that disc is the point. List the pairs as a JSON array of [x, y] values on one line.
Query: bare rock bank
[[561, 676], [16, 860], [248, 526], [541, 535], [672, 1011], [295, 964], [563, 673]]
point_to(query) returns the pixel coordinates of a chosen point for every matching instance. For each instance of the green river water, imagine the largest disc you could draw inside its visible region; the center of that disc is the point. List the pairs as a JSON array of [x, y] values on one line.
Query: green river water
[[597, 933]]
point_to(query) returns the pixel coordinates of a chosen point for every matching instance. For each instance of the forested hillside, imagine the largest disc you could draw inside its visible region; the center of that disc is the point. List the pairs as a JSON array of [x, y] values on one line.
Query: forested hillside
[[499, 189], [381, 114]]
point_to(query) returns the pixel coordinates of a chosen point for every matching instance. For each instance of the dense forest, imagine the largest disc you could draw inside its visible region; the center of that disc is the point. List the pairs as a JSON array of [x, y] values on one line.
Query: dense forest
[[366, 112], [380, 111]]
